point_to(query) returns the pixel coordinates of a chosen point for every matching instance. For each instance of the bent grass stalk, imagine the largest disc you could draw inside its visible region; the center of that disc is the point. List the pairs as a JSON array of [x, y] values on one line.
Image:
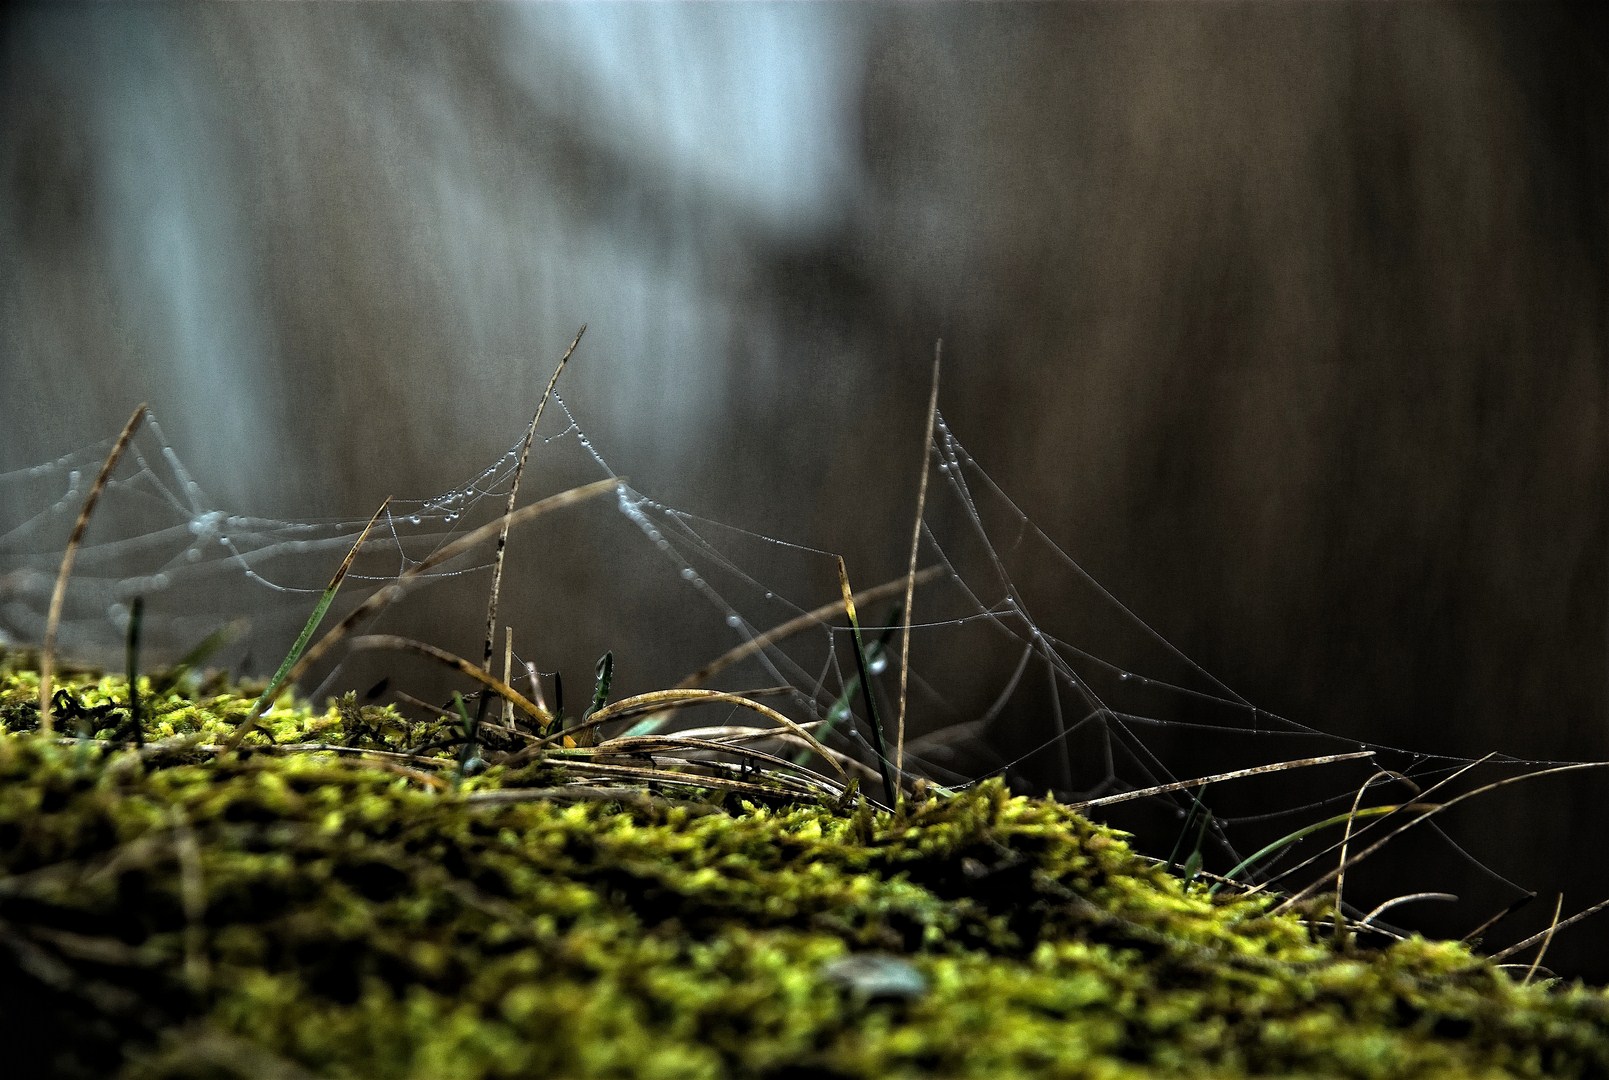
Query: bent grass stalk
[[513, 496], [58, 595], [320, 609], [910, 574], [781, 632], [388, 594]]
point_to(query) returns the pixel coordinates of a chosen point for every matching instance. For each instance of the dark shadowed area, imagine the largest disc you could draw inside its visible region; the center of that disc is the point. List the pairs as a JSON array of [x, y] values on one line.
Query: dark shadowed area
[[1287, 322]]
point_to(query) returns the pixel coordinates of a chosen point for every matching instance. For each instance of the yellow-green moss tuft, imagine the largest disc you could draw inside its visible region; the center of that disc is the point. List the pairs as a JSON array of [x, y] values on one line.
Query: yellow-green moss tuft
[[179, 914]]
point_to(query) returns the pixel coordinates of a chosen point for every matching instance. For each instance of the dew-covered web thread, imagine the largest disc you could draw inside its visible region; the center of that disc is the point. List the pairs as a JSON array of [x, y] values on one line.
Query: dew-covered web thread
[[157, 534], [1023, 666]]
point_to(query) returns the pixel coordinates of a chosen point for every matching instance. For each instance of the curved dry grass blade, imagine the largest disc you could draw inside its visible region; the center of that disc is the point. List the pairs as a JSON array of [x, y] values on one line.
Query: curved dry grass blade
[[1533, 939], [58, 595], [1308, 830], [1513, 906], [910, 574], [410, 577], [458, 663], [646, 776], [1311, 859], [650, 744], [781, 632], [513, 494], [1398, 901], [1237, 774], [1547, 939], [736, 736], [798, 623], [319, 611], [680, 698], [663, 751], [1351, 819], [1427, 815]]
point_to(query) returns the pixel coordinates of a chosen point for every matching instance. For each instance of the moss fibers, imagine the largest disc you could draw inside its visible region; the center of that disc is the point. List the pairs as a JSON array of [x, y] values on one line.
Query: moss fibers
[[174, 913]]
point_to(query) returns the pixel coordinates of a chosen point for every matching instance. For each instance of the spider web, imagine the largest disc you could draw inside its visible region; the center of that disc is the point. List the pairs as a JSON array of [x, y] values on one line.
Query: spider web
[[1022, 665]]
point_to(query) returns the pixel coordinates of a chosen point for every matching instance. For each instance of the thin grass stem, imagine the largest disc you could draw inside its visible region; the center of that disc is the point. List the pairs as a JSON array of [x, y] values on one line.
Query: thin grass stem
[[58, 595], [910, 574], [320, 609], [388, 594]]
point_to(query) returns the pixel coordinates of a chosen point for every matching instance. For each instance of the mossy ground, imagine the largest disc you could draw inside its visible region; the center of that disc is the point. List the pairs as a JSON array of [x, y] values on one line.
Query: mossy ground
[[177, 913]]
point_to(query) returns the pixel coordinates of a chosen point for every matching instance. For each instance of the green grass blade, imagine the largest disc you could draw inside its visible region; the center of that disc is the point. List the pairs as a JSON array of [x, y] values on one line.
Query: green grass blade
[[313, 620], [1285, 841], [885, 768]]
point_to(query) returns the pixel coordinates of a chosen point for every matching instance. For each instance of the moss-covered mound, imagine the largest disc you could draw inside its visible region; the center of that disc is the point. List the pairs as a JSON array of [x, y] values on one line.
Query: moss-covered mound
[[174, 912]]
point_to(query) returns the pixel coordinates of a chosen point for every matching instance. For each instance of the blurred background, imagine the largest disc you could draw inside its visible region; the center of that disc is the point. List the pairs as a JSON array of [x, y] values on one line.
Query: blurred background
[[1288, 322]]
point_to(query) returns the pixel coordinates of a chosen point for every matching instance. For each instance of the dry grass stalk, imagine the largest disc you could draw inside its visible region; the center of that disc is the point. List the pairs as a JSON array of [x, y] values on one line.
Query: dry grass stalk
[[58, 596], [388, 594], [910, 574], [513, 494]]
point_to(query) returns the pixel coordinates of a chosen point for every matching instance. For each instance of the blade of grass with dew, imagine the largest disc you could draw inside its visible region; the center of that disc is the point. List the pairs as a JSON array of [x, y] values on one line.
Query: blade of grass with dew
[[58, 595], [513, 498], [910, 574], [1236, 774], [319, 611], [387, 594], [604, 673], [879, 747], [782, 632], [1198, 812], [842, 708]]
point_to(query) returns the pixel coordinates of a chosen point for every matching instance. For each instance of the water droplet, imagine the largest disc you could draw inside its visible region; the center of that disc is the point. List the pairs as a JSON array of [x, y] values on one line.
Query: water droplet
[[688, 573], [878, 664], [735, 621]]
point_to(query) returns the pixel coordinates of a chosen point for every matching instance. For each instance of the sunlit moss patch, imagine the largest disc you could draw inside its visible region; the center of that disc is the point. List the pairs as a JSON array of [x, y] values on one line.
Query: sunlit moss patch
[[175, 912]]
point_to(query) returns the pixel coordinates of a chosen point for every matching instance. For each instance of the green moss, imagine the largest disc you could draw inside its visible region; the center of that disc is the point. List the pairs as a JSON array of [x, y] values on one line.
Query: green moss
[[177, 913]]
